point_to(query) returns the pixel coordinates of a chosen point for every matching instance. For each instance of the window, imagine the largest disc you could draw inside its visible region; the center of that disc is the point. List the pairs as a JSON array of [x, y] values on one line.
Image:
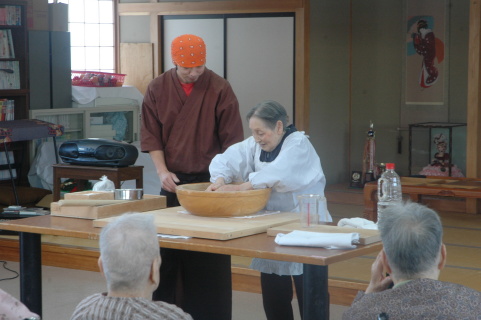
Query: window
[[91, 27]]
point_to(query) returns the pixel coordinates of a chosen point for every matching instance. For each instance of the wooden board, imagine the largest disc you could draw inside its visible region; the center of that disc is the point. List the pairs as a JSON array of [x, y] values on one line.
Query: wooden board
[[95, 209], [176, 222], [139, 75], [366, 236], [89, 195]]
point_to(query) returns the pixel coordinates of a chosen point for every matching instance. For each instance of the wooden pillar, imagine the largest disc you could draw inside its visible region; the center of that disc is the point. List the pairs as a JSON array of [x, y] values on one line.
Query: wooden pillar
[[301, 103], [473, 149], [156, 39]]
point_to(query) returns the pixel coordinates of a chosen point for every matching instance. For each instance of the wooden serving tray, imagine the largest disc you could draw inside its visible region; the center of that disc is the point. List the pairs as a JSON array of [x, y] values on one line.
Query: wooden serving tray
[[97, 209], [366, 236], [175, 221]]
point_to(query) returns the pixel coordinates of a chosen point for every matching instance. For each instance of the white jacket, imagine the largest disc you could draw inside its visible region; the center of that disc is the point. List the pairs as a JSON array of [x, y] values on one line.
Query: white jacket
[[296, 170]]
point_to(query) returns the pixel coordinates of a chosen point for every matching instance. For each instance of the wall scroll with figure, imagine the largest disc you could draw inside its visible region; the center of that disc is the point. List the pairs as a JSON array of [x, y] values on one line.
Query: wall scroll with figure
[[426, 64]]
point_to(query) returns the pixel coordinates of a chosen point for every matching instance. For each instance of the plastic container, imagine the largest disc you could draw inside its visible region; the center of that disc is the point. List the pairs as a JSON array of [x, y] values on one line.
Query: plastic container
[[97, 79], [389, 191], [309, 209]]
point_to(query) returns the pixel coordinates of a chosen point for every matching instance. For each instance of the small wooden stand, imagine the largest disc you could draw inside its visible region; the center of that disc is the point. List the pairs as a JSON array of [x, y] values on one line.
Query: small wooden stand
[[115, 174]]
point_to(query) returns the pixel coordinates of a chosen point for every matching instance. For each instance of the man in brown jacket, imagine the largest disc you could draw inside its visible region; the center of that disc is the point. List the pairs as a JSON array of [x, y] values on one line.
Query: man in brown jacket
[[189, 115]]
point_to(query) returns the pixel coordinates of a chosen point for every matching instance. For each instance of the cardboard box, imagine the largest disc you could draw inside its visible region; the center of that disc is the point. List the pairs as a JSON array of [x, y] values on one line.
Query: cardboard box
[[37, 15], [90, 195], [58, 16]]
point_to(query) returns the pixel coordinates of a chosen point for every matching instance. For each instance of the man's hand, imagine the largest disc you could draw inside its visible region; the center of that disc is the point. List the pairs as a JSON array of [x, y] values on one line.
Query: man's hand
[[168, 180], [379, 282]]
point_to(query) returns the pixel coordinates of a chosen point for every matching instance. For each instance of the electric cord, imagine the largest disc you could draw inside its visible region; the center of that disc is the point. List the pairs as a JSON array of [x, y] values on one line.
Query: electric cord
[[13, 271]]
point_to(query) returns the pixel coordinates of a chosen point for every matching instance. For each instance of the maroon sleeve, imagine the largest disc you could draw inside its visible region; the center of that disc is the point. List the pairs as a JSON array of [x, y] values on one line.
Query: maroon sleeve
[[228, 119], [151, 127]]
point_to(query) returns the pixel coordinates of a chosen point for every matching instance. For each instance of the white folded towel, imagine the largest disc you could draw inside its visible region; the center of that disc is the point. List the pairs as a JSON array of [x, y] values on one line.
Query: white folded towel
[[359, 223], [318, 239]]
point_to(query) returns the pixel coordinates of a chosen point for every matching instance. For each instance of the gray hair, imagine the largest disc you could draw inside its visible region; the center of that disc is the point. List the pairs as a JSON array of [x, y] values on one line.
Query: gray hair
[[270, 112], [412, 237], [128, 246]]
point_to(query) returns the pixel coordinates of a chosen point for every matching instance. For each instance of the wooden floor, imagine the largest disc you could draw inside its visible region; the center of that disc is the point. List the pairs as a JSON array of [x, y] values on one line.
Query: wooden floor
[[462, 236]]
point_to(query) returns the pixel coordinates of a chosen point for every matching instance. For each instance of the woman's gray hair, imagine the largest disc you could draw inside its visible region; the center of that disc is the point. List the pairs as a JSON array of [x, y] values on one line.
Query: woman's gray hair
[[412, 237], [128, 246], [270, 112]]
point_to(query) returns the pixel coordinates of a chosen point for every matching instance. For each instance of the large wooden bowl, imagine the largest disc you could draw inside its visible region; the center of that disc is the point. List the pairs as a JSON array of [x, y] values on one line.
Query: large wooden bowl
[[196, 200]]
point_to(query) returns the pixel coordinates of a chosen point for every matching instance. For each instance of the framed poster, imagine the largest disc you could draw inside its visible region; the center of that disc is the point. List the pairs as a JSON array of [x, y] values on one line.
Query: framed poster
[[425, 61]]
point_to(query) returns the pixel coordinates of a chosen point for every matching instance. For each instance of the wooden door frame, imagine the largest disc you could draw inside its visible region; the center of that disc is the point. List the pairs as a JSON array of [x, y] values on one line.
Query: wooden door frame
[[301, 15], [473, 136]]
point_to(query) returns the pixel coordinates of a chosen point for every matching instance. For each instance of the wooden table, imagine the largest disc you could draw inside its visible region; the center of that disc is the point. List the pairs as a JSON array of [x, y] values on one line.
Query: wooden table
[[417, 187], [115, 174], [315, 260]]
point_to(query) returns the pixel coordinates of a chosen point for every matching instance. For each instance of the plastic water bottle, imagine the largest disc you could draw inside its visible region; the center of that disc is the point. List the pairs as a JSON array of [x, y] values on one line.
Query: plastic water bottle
[[388, 190]]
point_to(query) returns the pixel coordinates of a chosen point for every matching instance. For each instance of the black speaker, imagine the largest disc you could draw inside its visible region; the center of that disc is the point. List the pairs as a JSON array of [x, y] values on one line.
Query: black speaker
[[98, 152]]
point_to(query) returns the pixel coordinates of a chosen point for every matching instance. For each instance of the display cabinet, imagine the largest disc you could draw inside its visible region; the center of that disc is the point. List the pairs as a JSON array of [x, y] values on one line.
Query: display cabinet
[[437, 149]]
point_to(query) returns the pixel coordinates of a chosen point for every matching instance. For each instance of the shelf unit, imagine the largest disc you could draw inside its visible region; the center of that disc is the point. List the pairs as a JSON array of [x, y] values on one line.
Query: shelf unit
[[21, 95], [106, 122], [20, 45]]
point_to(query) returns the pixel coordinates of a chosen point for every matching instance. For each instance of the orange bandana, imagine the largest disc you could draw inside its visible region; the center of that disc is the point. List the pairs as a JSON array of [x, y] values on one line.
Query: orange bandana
[[188, 51]]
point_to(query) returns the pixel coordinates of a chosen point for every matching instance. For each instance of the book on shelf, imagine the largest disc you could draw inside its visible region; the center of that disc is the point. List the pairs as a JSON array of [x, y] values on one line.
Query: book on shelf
[[10, 15], [6, 44], [9, 75], [7, 108]]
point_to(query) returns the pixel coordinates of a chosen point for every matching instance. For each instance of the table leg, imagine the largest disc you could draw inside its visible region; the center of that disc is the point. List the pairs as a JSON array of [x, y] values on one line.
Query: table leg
[[31, 271], [316, 292], [56, 185], [117, 183], [139, 183]]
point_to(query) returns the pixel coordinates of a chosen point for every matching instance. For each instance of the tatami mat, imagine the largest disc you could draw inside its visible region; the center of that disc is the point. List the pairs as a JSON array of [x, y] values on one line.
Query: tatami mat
[[462, 236]]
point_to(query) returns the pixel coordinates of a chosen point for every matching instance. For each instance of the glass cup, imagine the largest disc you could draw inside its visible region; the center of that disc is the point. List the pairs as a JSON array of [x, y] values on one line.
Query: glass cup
[[309, 209]]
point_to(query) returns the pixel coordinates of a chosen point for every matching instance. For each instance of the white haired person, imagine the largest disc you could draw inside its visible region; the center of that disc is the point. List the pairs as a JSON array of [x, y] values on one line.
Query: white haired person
[[276, 156], [413, 255], [130, 261]]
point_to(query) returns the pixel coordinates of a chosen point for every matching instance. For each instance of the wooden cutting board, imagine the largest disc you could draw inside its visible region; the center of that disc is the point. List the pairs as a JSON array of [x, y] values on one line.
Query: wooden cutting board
[[366, 236], [97, 209], [176, 221]]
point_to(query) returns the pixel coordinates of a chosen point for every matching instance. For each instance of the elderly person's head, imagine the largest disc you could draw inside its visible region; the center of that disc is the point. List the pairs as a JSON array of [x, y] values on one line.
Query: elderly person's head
[[188, 55], [268, 121], [129, 255], [412, 237]]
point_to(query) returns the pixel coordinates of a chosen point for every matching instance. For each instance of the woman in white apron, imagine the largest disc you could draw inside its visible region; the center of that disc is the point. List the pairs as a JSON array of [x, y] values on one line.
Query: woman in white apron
[[276, 156]]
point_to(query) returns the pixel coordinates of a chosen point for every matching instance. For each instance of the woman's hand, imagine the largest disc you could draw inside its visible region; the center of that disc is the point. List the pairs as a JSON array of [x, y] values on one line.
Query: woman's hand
[[236, 187], [220, 185], [379, 281], [216, 185]]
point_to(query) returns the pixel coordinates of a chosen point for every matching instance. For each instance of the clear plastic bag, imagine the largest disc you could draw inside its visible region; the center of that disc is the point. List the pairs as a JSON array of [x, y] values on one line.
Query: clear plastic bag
[[104, 185]]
